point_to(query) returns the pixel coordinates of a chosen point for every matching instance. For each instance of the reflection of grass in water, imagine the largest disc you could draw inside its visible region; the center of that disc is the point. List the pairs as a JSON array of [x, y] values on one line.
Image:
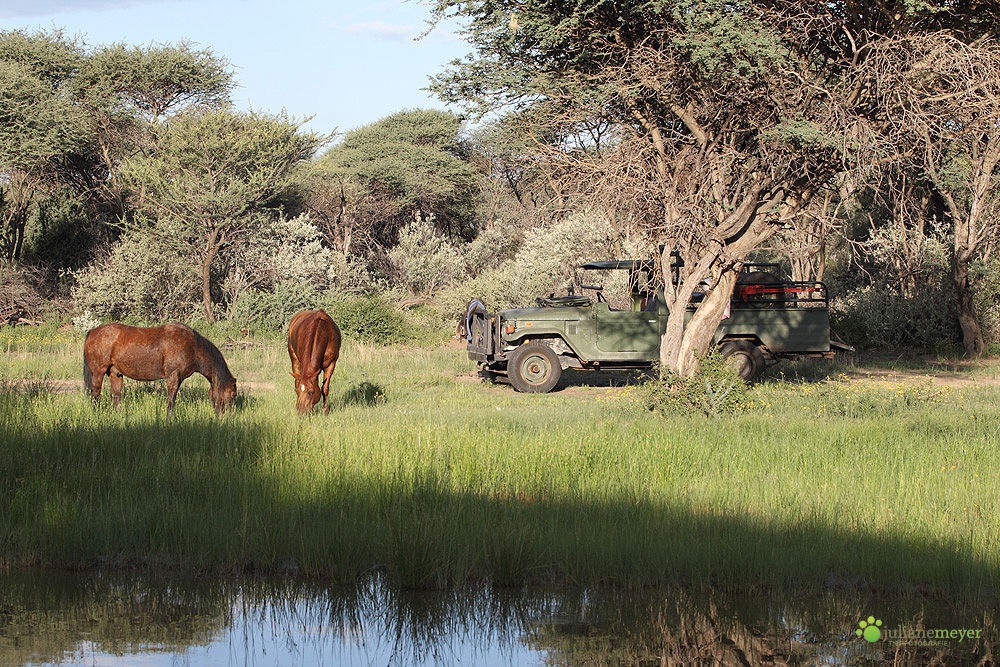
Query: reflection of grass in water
[[50, 614], [450, 481]]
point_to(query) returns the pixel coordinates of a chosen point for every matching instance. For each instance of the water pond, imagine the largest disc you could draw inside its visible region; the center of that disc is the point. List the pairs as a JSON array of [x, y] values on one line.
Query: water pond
[[103, 619]]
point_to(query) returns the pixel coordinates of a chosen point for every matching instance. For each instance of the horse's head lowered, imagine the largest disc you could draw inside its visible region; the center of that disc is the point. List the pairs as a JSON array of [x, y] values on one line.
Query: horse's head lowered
[[308, 391], [222, 396]]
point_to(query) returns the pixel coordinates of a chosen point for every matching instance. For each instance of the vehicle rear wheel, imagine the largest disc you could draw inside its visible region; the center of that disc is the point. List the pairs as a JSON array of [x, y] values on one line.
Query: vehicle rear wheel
[[744, 357], [533, 368]]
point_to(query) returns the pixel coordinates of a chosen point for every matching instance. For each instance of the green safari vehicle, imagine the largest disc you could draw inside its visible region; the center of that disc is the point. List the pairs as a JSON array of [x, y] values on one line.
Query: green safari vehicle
[[530, 347]]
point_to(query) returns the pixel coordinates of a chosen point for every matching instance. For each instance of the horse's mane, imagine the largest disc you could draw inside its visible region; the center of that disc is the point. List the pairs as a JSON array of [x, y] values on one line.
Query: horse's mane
[[220, 368]]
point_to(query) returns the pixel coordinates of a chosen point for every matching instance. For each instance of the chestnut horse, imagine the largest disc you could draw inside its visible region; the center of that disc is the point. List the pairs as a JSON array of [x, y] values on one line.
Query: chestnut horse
[[172, 351], [313, 346]]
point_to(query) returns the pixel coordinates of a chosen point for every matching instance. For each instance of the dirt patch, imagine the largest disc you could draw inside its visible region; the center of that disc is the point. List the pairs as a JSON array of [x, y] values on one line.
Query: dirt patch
[[950, 373]]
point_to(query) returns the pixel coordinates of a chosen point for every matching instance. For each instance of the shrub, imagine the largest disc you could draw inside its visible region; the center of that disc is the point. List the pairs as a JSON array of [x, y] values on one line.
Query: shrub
[[280, 257], [490, 247], [270, 310], [544, 263], [424, 259], [876, 318], [144, 275], [985, 276], [20, 297], [715, 389], [279, 251], [370, 319], [348, 275]]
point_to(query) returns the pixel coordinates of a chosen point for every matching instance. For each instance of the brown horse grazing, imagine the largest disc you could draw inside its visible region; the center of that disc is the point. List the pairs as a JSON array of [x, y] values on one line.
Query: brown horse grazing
[[314, 346], [171, 351]]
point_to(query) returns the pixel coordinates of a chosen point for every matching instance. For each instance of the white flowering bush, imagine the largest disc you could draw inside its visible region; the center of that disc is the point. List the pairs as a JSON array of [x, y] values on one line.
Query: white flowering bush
[[424, 259], [280, 251], [144, 275], [86, 321], [545, 263]]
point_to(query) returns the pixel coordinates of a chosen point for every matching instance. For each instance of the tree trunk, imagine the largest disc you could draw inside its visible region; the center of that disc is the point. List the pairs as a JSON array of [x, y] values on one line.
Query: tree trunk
[[683, 343], [677, 298], [207, 257], [972, 333], [701, 328], [15, 220]]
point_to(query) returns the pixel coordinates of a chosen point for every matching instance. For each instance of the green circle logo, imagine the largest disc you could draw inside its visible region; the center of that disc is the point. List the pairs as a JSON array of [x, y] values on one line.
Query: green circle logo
[[869, 629]]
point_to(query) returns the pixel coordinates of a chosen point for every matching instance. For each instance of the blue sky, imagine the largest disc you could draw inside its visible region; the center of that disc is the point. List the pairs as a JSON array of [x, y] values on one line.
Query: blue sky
[[346, 63]]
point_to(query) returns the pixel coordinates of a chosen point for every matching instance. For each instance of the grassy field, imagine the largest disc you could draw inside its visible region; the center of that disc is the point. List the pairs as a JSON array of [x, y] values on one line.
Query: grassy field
[[434, 478]]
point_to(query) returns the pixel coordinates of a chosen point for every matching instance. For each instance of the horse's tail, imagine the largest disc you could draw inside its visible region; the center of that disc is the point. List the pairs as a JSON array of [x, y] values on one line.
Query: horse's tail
[[88, 378]]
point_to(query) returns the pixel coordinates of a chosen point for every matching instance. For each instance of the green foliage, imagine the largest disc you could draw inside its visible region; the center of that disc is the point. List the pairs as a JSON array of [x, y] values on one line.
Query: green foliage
[[60, 233], [876, 317], [269, 310], [156, 79], [491, 247], [985, 275], [211, 167], [727, 44], [350, 275], [410, 161], [424, 259], [49, 57], [70, 116], [801, 132], [370, 319], [143, 276], [714, 390], [211, 176], [39, 123], [903, 296], [35, 123], [277, 251], [544, 263]]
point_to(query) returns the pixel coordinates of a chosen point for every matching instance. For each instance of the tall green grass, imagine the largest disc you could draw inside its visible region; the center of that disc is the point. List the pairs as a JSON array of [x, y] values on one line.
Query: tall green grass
[[436, 480]]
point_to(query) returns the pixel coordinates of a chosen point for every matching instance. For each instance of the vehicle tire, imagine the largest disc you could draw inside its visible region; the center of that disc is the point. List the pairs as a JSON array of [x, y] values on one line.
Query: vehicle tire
[[744, 357], [533, 368]]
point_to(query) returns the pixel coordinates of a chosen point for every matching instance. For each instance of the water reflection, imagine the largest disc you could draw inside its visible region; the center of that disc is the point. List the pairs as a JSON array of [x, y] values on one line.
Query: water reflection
[[99, 619]]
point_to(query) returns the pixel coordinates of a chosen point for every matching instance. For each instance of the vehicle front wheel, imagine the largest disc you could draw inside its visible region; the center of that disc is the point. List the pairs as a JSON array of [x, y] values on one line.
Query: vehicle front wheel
[[533, 368], [744, 357]]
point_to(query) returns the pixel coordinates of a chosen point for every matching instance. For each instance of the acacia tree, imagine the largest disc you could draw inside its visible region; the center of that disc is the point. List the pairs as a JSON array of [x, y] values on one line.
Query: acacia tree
[[39, 124], [721, 127], [729, 117], [938, 102], [211, 174], [69, 115], [377, 177], [128, 90]]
